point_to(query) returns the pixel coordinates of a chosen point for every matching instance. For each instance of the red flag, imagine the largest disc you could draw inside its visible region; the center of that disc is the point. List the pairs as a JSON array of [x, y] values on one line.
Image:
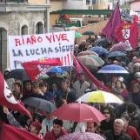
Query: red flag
[[7, 99], [113, 22], [127, 32], [12, 133], [37, 68], [92, 78], [77, 65]]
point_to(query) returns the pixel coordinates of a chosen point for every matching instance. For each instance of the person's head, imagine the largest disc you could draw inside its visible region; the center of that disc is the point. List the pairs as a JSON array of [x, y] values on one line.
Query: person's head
[[108, 112], [43, 86], [57, 126], [49, 116], [35, 87], [6, 73], [65, 84], [54, 87], [126, 120], [27, 85], [35, 127], [136, 88], [118, 126], [17, 87], [82, 77], [131, 109], [137, 76], [90, 127]]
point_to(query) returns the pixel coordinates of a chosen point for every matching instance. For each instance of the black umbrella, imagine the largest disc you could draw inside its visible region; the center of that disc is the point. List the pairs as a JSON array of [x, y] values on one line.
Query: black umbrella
[[88, 33], [19, 74], [40, 104], [102, 42]]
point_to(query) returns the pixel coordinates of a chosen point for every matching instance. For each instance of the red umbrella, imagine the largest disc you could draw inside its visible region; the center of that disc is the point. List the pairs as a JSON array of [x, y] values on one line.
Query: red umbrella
[[81, 136], [78, 112]]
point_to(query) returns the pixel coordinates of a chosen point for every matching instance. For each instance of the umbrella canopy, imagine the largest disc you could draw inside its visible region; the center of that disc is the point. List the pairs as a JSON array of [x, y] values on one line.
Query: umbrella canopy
[[81, 136], [89, 62], [78, 35], [98, 59], [102, 42], [78, 112], [121, 47], [87, 52], [40, 104], [100, 97], [88, 33], [99, 50], [56, 70], [19, 74], [116, 54], [113, 68]]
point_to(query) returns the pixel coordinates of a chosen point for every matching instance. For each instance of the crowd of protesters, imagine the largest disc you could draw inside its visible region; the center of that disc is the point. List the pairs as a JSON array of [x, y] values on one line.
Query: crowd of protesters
[[122, 121]]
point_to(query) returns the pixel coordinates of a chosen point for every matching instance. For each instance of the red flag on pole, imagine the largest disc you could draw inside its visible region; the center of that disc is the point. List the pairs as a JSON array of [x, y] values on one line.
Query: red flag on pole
[[7, 99], [113, 22], [12, 133], [127, 32], [37, 68]]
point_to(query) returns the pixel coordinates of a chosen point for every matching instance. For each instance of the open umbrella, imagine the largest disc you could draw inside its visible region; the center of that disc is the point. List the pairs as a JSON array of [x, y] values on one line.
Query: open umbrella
[[100, 97], [89, 62], [113, 68], [19, 74], [124, 46], [78, 112], [78, 35], [88, 33], [56, 69], [39, 103], [99, 50], [87, 52], [116, 54], [81, 136], [102, 42]]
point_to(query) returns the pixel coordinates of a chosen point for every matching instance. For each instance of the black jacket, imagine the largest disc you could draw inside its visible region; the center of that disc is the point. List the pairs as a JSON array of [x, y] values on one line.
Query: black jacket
[[109, 135]]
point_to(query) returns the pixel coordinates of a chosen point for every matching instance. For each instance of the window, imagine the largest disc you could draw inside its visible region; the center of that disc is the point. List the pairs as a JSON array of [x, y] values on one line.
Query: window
[[24, 30], [39, 28]]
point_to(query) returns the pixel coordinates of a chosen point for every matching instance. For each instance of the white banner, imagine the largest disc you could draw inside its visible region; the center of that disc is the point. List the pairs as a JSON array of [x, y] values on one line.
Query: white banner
[[33, 47]]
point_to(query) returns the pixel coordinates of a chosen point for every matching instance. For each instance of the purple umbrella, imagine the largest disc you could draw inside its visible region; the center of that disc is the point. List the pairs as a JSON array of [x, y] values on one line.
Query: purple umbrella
[[81, 136], [124, 46]]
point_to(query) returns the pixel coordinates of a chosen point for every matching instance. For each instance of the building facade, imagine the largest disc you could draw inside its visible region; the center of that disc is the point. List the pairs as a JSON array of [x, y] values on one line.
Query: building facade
[[21, 17]]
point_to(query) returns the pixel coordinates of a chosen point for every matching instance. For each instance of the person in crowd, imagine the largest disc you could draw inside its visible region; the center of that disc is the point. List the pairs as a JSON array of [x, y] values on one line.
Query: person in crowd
[[119, 88], [117, 132], [54, 89], [92, 127], [135, 95], [17, 90], [27, 88], [47, 123], [128, 129], [81, 85], [66, 93], [107, 124], [35, 128], [45, 90], [57, 130], [134, 113], [36, 90]]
